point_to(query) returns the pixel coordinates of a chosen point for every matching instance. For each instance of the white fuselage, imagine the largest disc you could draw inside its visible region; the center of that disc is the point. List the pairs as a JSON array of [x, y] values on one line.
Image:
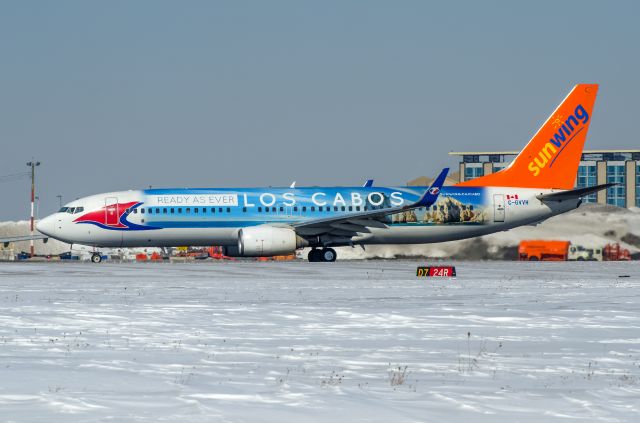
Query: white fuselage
[[203, 217]]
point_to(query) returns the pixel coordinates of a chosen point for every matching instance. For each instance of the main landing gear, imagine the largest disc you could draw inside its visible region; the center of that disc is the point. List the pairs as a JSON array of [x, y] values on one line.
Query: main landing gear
[[326, 255], [96, 258]]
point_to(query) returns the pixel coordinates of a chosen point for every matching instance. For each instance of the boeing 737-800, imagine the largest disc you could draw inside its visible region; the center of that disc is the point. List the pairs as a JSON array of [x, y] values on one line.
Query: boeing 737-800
[[538, 184]]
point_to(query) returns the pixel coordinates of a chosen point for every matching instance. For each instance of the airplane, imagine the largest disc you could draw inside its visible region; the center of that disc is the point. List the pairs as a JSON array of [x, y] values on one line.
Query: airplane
[[253, 222]]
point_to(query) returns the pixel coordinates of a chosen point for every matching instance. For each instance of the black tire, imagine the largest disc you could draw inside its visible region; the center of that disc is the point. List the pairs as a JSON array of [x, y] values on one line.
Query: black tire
[[96, 258], [314, 256], [533, 258], [329, 255], [580, 258]]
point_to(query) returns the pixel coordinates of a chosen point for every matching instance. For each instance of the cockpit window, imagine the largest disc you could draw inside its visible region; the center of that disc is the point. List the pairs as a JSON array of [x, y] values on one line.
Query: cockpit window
[[79, 210], [71, 210], [63, 209]]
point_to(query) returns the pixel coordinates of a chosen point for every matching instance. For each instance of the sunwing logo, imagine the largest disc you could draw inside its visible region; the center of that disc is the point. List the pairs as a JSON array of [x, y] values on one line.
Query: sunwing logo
[[566, 130]]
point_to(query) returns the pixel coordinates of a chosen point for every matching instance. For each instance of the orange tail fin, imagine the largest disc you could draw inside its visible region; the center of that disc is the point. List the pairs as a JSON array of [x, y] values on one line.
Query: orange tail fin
[[551, 158]]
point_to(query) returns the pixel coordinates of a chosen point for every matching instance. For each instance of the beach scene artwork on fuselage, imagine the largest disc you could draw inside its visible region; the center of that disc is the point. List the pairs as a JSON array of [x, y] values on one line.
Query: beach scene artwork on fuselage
[[466, 206]]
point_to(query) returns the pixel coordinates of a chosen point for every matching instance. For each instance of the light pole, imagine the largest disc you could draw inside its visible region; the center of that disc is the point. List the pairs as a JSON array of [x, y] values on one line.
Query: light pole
[[59, 201], [33, 165]]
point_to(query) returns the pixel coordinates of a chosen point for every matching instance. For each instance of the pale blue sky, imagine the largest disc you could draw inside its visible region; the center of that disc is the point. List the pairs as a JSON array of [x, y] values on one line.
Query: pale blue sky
[[126, 94]]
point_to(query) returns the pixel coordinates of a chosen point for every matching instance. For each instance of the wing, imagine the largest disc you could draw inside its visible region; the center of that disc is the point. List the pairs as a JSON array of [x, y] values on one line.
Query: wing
[[340, 229]]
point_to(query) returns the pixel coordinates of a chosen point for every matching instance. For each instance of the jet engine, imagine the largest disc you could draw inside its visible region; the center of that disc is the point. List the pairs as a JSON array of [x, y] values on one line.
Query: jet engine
[[260, 241]]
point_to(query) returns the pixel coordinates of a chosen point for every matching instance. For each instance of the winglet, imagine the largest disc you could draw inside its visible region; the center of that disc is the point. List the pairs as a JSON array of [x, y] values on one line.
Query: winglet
[[293, 185], [431, 194], [368, 184]]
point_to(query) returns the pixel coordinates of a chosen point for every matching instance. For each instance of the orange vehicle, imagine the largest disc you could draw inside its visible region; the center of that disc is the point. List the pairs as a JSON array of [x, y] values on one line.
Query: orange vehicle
[[542, 250]]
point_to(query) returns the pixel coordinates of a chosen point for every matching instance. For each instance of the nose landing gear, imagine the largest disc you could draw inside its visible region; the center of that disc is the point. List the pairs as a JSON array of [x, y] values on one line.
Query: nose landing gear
[[324, 255]]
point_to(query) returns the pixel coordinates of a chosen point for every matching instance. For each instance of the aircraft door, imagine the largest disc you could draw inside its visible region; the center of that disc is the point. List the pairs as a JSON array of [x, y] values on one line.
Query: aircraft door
[[288, 212], [498, 207], [112, 214]]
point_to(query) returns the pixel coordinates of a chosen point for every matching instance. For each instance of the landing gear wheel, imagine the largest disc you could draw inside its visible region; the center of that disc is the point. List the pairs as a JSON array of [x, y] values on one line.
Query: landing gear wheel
[[314, 255], [329, 255], [96, 258]]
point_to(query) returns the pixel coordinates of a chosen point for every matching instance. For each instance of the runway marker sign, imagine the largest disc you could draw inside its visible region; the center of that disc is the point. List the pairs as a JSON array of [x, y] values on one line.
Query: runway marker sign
[[436, 271]]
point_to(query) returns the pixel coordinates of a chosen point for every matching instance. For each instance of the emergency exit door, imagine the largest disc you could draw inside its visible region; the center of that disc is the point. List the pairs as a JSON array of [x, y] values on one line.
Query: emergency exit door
[[498, 207]]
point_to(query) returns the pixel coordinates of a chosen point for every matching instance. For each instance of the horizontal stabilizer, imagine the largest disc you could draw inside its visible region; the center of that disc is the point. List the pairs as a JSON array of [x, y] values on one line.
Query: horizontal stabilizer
[[572, 194]]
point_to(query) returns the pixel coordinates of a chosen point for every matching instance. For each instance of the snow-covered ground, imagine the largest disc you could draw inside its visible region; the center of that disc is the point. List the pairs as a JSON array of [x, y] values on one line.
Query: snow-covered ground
[[305, 342]]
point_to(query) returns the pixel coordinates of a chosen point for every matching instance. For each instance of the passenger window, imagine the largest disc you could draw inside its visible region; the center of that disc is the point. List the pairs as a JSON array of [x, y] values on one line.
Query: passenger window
[[350, 208], [335, 208], [164, 210], [259, 209], [273, 209], [228, 209], [244, 209], [295, 209], [357, 208], [150, 210], [219, 209], [213, 209], [188, 209], [344, 208], [304, 208], [320, 208], [313, 208], [172, 210], [158, 210], [135, 211], [180, 210], [281, 209], [266, 209], [195, 210], [142, 210]]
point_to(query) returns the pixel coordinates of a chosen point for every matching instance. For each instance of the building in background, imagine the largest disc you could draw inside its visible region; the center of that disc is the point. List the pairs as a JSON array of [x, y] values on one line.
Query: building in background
[[597, 167]]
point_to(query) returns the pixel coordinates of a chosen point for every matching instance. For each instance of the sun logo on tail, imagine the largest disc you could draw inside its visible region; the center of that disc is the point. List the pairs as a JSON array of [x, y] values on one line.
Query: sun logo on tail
[[558, 121]]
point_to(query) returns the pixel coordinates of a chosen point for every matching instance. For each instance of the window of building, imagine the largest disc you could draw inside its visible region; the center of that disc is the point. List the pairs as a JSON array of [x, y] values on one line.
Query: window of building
[[472, 172], [616, 175], [588, 177]]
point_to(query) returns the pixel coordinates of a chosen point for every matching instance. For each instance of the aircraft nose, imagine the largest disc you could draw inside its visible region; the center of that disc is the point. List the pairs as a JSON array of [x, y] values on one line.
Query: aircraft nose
[[47, 226]]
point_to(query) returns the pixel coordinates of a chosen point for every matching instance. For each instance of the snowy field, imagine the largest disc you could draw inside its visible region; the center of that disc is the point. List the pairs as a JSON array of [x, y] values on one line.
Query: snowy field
[[309, 342]]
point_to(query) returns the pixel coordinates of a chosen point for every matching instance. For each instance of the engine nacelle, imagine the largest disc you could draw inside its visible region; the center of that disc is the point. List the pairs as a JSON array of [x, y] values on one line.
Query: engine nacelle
[[260, 241]]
